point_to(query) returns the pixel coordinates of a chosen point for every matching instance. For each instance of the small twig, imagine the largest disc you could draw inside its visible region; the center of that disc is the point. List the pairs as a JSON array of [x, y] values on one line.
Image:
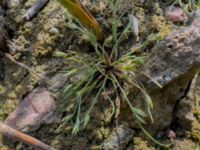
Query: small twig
[[37, 6], [17, 135], [23, 65]]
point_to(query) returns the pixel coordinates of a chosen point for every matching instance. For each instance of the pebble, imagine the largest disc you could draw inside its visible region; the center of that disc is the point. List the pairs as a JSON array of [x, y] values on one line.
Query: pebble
[[134, 25], [36, 109], [171, 134], [54, 31], [176, 15]]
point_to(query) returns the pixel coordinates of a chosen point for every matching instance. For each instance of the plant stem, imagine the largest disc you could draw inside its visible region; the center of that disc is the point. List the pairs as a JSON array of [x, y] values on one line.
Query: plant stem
[[14, 134]]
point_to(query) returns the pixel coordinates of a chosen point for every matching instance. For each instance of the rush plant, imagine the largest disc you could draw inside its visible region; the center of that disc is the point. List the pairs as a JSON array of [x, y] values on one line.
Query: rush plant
[[104, 71]]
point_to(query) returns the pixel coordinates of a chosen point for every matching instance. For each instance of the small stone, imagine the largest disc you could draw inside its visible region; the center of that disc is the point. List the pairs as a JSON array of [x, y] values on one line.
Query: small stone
[[176, 14], [118, 139], [54, 31], [134, 25], [36, 109], [171, 134]]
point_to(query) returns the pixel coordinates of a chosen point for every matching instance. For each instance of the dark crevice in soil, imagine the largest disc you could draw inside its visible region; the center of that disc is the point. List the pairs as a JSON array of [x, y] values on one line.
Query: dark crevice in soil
[[175, 126]]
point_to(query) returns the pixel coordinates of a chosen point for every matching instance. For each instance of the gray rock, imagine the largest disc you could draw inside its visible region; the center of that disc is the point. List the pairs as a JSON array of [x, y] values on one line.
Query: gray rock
[[173, 64], [118, 139], [177, 55], [36, 109], [188, 105]]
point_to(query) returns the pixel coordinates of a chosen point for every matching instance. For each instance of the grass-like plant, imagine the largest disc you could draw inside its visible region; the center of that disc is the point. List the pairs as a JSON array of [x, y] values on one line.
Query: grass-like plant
[[102, 74], [106, 70]]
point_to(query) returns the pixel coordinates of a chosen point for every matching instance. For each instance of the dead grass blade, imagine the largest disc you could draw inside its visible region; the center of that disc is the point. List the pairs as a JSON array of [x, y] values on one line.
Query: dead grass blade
[[83, 16]]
